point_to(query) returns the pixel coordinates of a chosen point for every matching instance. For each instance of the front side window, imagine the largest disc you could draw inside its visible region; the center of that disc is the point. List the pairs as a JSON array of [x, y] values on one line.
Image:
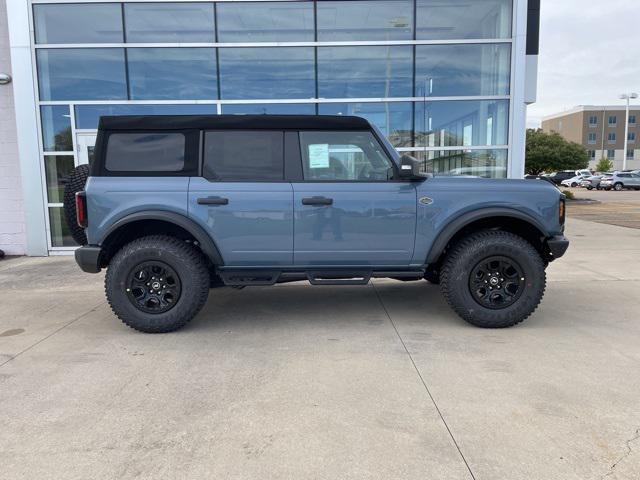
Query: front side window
[[249, 156], [145, 152], [343, 156]]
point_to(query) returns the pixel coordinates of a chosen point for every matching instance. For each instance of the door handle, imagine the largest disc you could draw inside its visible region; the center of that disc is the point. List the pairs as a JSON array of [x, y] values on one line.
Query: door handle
[[213, 201], [317, 201]]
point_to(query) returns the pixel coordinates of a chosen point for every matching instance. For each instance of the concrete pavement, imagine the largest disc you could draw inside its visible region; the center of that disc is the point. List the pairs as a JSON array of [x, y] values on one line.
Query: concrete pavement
[[293, 381]]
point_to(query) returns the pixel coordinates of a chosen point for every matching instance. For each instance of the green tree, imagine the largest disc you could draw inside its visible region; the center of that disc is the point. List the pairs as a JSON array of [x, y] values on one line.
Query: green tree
[[549, 152], [604, 165]]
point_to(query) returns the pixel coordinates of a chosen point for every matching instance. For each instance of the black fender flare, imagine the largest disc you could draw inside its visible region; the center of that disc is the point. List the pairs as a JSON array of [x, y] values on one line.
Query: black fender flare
[[458, 223], [207, 245]]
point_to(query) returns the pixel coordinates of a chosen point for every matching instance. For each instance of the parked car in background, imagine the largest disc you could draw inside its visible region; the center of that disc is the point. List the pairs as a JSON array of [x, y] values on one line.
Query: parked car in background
[[621, 180], [540, 177], [592, 182], [559, 177], [573, 181]]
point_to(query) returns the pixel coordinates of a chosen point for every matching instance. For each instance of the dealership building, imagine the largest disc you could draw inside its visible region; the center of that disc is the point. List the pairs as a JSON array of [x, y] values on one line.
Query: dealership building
[[447, 81]]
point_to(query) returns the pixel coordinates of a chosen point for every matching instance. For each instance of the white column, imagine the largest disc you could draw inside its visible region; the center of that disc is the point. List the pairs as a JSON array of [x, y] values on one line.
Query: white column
[[518, 110], [27, 126]]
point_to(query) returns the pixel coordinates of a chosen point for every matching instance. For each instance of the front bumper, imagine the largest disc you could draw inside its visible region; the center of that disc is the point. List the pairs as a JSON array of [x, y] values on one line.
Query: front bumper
[[88, 258], [557, 245]]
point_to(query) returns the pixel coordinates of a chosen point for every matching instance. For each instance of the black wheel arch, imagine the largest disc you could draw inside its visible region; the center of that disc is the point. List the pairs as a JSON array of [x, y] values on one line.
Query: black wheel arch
[[499, 218], [150, 222]]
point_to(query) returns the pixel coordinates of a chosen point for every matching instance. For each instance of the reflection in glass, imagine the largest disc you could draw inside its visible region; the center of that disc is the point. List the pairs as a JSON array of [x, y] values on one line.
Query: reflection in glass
[[172, 73], [462, 123], [56, 168], [60, 234], [266, 72], [78, 23], [56, 128], [462, 19], [87, 116], [394, 119], [81, 74], [271, 109], [265, 21], [458, 70], [169, 22], [360, 72], [365, 20], [479, 163]]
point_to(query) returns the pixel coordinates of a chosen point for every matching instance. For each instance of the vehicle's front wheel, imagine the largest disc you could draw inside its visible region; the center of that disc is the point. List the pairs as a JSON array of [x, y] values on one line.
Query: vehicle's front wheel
[[589, 187], [618, 187], [157, 284], [493, 279]]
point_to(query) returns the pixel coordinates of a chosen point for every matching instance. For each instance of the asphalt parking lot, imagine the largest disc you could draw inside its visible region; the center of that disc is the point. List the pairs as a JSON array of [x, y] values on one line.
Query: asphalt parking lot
[[297, 382], [613, 208]]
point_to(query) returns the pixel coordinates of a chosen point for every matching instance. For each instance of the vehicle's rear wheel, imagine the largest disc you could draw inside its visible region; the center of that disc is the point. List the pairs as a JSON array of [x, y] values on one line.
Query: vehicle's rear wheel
[[493, 279], [589, 187], [157, 284], [618, 187], [74, 183], [574, 185]]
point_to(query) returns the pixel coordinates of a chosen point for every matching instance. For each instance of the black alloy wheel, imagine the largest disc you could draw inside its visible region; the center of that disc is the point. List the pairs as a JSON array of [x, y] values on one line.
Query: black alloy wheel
[[496, 282], [153, 287]]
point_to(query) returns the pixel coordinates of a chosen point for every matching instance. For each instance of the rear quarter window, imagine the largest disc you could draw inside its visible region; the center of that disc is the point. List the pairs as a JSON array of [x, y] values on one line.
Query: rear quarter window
[[141, 152]]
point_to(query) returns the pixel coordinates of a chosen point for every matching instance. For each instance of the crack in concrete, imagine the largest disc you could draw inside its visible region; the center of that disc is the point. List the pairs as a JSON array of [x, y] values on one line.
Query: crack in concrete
[[626, 454], [424, 383]]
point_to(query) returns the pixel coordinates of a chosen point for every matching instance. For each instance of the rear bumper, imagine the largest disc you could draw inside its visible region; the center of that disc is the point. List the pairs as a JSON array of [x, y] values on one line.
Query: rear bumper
[[557, 245], [88, 258]]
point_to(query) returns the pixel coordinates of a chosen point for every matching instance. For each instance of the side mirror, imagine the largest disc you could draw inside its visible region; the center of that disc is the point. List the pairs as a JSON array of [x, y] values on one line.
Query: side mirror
[[410, 169]]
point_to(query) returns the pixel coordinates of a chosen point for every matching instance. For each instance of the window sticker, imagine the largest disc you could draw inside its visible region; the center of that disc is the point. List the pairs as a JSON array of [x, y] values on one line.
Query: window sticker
[[319, 155]]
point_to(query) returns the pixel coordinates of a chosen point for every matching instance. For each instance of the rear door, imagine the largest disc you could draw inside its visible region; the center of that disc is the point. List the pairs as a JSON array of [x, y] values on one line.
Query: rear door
[[242, 198], [349, 208]]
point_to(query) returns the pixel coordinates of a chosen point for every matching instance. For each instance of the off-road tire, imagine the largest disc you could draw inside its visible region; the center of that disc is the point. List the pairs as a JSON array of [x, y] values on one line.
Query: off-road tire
[[75, 182], [185, 259], [469, 252]]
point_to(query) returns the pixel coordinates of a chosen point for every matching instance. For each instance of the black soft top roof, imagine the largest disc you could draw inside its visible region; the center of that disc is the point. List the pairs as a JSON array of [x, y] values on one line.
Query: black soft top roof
[[235, 122]]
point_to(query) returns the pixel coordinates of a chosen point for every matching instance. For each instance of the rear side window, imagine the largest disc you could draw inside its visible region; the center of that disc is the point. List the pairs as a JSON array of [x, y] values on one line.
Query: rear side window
[[251, 156], [146, 152]]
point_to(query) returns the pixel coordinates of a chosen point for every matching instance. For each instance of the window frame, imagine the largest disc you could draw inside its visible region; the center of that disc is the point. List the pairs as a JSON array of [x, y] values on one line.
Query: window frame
[[191, 155], [395, 178], [201, 173]]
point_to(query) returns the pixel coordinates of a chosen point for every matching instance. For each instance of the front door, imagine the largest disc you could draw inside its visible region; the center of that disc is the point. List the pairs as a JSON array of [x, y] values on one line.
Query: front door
[[85, 143], [242, 198], [349, 210]]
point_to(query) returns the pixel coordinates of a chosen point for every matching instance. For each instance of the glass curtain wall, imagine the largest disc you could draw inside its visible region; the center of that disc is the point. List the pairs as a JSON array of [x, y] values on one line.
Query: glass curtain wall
[[433, 75]]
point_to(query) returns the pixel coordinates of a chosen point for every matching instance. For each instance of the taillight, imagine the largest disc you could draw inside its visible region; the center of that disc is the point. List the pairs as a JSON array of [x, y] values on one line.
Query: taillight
[[562, 212], [81, 209]]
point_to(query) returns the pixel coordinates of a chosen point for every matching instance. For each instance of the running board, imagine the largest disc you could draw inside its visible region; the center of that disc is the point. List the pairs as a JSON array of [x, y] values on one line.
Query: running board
[[257, 277]]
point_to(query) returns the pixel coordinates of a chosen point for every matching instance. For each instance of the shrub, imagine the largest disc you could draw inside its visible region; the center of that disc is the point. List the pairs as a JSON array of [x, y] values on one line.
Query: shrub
[[569, 194]]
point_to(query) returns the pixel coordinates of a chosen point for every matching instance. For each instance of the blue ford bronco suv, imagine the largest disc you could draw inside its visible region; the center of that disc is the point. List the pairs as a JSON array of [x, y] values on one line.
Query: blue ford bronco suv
[[173, 206]]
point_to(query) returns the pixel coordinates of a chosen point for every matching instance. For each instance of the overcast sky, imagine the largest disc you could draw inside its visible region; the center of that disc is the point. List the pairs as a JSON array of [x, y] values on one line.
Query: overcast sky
[[589, 54]]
